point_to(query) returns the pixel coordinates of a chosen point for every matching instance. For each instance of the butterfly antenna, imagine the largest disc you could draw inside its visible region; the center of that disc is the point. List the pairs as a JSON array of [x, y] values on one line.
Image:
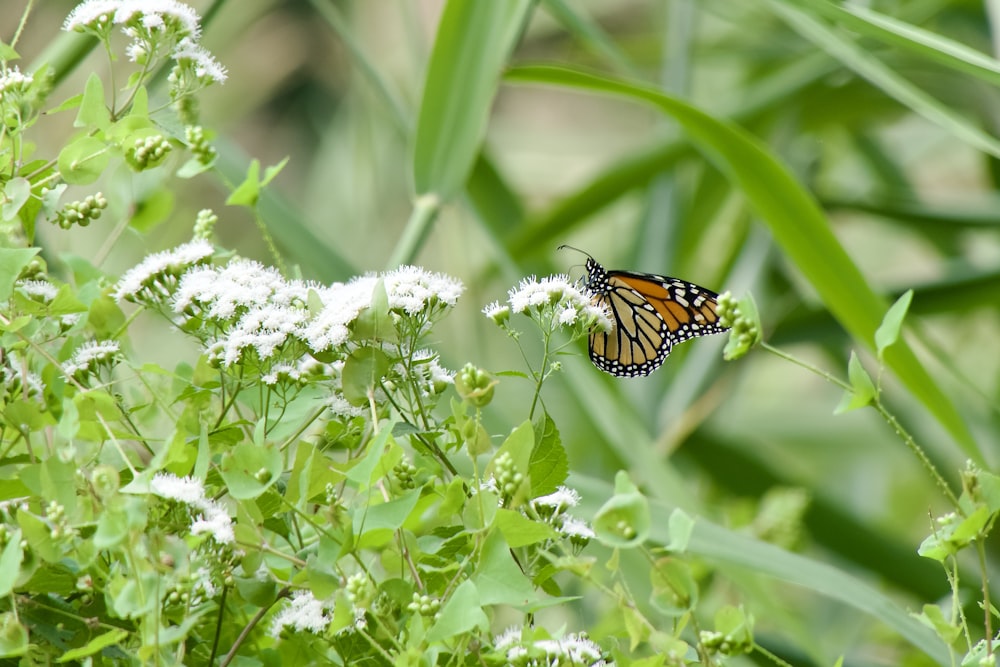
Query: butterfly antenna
[[582, 252]]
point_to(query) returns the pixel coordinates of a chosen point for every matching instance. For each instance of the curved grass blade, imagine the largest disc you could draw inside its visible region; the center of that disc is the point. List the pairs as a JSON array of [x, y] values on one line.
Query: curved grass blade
[[473, 42], [882, 76], [796, 222]]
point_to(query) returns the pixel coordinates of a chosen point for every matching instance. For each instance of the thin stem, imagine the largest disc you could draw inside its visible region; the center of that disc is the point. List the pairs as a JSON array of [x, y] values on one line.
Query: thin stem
[[283, 593], [987, 608], [24, 22], [886, 415]]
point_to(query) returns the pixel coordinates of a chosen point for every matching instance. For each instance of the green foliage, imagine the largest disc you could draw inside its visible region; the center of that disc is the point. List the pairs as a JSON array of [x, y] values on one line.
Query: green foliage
[[212, 459]]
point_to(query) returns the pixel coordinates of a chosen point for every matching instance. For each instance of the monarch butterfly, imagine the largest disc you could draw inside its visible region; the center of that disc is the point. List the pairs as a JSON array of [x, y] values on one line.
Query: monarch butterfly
[[649, 315]]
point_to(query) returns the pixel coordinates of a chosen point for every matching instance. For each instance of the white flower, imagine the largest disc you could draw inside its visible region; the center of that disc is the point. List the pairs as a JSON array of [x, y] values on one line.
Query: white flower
[[42, 290], [282, 371], [567, 315], [216, 522], [185, 490], [157, 13], [213, 519], [413, 289], [571, 302], [154, 276], [578, 650], [573, 527], [90, 354], [532, 292], [303, 613], [92, 14], [341, 409], [203, 63], [509, 637], [342, 303], [497, 312], [13, 80], [264, 328], [561, 499], [223, 292]]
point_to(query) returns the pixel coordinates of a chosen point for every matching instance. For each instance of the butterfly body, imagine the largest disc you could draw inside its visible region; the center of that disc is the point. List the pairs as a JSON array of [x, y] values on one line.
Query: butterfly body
[[649, 315]]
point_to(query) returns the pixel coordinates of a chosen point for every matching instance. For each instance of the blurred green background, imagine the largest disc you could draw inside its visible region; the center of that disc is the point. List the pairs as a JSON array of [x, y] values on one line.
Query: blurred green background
[[893, 141]]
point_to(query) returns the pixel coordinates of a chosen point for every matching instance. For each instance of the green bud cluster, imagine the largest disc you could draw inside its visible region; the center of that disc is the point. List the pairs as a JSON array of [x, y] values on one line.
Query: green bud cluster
[[745, 326], [424, 605], [475, 385], [204, 224], [81, 212], [148, 152], [508, 478], [359, 590], [405, 474], [198, 144]]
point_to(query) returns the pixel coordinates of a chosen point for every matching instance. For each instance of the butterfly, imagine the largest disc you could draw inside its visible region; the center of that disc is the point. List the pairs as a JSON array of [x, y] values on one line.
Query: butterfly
[[649, 315]]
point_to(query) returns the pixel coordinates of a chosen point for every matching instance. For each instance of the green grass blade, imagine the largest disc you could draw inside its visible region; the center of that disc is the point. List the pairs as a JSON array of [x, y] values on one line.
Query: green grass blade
[[912, 38], [474, 40], [796, 222], [857, 58]]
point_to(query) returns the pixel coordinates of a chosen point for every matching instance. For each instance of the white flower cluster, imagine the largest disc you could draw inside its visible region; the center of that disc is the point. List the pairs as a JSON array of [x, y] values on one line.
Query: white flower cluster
[[571, 303], [553, 508], [246, 308], [13, 81], [303, 613], [89, 355], [150, 23], [569, 650], [39, 290], [155, 278], [213, 519]]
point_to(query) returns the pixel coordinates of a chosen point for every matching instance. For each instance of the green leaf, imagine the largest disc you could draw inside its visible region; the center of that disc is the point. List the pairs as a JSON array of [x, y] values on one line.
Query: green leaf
[[680, 526], [152, 209], [473, 42], [247, 192], [361, 473], [249, 469], [38, 536], [93, 110], [796, 223], [498, 578], [623, 522], [13, 636], [374, 323], [123, 515], [8, 53], [518, 530], [934, 618], [12, 262], [272, 171], [385, 516], [888, 331], [83, 160], [549, 464], [461, 613], [862, 388], [362, 372], [519, 444], [10, 562], [674, 591], [95, 645], [16, 192]]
